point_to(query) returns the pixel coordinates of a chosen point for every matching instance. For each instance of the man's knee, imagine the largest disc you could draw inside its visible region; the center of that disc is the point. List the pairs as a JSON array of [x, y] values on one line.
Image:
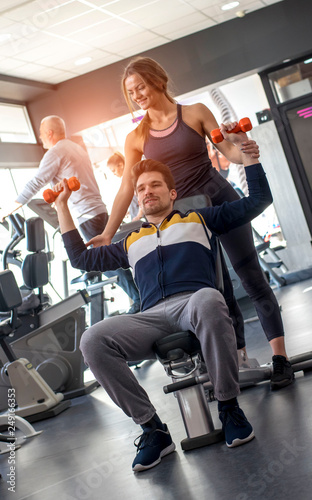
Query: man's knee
[[92, 339], [207, 299]]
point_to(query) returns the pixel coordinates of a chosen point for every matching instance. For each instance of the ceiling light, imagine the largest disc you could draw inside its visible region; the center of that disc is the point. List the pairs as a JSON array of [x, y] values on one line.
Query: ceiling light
[[308, 61], [83, 60], [4, 37], [229, 6]]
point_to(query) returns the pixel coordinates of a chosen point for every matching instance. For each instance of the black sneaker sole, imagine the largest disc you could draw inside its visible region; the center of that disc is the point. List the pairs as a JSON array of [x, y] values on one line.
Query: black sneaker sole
[[282, 383]]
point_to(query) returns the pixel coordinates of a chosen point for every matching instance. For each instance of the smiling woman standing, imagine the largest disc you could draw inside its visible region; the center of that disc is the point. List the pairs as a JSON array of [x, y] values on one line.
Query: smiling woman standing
[[175, 135]]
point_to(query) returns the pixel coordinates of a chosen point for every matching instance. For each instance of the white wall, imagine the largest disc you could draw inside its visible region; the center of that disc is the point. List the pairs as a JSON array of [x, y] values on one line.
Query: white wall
[[246, 96]]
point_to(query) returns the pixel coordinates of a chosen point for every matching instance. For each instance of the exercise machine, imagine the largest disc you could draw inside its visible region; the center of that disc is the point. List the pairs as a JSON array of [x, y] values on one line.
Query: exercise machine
[[49, 336], [94, 284], [180, 354], [27, 393], [92, 281]]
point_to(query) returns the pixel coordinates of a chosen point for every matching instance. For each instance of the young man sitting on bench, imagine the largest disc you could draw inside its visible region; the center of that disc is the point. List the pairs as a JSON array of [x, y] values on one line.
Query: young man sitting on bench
[[173, 259]]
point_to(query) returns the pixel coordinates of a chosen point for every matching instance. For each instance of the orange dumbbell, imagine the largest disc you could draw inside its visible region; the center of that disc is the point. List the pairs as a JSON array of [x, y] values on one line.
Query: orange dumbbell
[[50, 196], [244, 125]]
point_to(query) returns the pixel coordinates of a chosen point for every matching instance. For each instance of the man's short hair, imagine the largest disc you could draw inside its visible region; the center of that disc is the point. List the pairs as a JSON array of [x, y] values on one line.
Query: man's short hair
[[152, 166], [55, 123]]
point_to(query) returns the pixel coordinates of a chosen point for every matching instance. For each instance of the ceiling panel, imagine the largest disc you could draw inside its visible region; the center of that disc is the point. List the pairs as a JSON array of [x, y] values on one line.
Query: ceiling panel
[[122, 7], [66, 28], [181, 24], [158, 12], [72, 52], [136, 49], [42, 39], [88, 33], [45, 13], [9, 64], [188, 30], [110, 40], [26, 70]]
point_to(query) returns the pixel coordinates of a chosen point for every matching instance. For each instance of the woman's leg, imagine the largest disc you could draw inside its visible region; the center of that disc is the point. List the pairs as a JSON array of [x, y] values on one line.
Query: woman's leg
[[241, 251], [239, 246], [219, 190]]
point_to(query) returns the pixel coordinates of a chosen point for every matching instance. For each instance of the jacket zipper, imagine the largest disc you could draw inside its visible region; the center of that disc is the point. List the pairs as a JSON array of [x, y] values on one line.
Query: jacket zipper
[[159, 253]]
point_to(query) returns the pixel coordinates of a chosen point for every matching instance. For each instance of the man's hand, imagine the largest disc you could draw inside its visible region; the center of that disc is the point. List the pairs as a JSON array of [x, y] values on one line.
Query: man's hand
[[246, 145], [235, 139], [8, 209], [64, 192], [64, 217]]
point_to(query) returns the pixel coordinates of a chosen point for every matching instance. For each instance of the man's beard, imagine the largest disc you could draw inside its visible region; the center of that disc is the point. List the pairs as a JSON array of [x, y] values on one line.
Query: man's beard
[[157, 206]]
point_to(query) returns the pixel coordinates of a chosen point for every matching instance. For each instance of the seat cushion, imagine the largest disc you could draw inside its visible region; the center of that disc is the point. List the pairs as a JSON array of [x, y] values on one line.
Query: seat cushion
[[186, 342], [35, 270]]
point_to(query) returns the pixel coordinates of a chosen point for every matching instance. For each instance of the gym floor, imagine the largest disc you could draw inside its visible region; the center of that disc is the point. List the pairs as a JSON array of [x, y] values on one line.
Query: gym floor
[[86, 452]]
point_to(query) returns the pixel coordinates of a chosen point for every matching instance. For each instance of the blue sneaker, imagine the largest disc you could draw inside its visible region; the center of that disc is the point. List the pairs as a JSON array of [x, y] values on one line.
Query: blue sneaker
[[236, 428], [153, 445]]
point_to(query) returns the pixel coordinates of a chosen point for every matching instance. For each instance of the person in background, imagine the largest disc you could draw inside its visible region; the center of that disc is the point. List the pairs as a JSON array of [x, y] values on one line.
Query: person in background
[[116, 164], [66, 158], [176, 134], [218, 160]]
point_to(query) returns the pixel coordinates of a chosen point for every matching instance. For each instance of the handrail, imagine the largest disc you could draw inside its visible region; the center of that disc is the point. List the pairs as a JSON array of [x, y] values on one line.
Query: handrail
[[17, 222]]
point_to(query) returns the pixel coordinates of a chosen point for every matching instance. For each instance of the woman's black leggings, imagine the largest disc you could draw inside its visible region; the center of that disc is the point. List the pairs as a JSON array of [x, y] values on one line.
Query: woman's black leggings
[[239, 246]]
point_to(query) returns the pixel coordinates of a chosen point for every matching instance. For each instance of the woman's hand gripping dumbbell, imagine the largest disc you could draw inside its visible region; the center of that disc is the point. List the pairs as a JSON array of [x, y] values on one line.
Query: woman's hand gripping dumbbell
[[50, 196], [244, 125]]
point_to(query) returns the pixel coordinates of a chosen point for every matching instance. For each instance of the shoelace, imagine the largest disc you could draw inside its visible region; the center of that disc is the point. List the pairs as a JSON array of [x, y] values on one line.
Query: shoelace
[[279, 366], [233, 415], [143, 439]]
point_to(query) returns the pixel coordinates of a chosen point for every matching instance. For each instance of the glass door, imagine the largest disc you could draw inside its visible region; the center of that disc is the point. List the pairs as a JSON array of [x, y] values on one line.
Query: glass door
[[288, 88]]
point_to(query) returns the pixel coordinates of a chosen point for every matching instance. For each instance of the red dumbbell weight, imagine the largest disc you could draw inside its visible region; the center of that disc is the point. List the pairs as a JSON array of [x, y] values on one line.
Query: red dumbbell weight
[[50, 196], [244, 125]]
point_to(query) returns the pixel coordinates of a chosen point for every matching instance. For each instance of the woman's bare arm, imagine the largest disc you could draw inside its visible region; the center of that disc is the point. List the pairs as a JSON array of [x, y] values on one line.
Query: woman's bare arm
[[124, 195], [199, 117]]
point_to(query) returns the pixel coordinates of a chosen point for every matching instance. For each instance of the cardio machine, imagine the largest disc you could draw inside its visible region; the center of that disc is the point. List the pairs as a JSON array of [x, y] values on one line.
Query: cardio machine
[[49, 335], [92, 281]]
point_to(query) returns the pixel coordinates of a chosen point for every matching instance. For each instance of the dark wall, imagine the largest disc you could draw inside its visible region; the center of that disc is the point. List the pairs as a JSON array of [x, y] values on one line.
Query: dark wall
[[20, 155], [260, 39]]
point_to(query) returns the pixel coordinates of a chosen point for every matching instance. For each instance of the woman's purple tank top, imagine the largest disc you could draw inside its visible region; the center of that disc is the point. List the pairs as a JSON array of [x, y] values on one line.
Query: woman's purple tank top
[[185, 152]]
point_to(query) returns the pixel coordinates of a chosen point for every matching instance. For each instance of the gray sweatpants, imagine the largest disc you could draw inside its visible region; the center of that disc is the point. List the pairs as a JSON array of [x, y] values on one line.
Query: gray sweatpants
[[109, 344]]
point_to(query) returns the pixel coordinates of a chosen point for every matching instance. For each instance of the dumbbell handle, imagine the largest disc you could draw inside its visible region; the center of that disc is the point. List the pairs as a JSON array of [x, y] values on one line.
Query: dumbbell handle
[[244, 125], [50, 196]]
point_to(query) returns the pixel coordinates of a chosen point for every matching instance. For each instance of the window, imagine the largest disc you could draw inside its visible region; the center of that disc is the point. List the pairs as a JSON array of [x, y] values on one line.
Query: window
[[292, 81], [15, 124]]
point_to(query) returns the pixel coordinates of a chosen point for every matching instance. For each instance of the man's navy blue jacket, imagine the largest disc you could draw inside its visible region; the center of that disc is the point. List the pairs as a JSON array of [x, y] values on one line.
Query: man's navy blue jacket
[[180, 254]]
